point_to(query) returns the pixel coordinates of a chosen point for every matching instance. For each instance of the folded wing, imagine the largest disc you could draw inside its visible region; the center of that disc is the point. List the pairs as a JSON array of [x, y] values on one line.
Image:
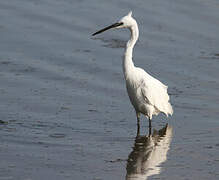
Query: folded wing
[[155, 93]]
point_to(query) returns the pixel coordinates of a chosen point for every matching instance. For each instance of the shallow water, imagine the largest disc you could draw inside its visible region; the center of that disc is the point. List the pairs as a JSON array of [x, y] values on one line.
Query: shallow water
[[64, 109]]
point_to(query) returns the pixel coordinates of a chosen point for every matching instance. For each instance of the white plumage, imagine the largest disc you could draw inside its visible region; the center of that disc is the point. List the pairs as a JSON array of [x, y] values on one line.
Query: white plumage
[[148, 95]]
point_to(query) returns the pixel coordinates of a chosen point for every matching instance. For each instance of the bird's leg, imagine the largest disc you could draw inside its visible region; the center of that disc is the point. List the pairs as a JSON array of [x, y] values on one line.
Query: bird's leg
[[138, 129], [149, 126], [138, 123]]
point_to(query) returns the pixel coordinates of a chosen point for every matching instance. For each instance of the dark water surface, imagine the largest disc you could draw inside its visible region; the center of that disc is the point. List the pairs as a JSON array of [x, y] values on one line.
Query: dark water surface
[[64, 111]]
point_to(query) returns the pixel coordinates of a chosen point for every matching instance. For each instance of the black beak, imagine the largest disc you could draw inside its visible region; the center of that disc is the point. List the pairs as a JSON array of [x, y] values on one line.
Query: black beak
[[106, 28]]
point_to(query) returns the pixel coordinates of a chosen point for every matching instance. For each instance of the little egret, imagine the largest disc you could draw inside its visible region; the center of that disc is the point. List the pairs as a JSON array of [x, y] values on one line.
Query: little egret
[[148, 95]]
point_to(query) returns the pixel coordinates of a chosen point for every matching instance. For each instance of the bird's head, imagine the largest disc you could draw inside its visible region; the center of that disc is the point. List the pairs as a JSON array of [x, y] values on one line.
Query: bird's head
[[125, 22]]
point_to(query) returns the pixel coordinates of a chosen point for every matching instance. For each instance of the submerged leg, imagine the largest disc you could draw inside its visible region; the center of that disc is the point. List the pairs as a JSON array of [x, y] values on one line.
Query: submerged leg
[[149, 119], [138, 123]]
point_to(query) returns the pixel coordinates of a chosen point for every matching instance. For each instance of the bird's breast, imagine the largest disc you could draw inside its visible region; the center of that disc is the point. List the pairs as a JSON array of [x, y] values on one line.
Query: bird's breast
[[135, 95]]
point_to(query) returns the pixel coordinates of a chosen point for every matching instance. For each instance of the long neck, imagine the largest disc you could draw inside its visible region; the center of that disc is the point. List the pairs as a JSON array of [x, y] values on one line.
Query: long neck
[[128, 64]]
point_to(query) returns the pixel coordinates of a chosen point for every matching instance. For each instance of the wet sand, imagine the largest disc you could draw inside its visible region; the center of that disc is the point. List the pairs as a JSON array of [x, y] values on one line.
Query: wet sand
[[64, 111]]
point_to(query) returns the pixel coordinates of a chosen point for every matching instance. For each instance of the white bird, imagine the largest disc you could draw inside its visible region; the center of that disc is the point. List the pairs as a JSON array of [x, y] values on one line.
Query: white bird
[[148, 95]]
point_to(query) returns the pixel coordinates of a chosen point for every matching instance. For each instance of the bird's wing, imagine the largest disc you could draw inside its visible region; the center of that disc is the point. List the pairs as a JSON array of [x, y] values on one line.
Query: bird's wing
[[155, 93]]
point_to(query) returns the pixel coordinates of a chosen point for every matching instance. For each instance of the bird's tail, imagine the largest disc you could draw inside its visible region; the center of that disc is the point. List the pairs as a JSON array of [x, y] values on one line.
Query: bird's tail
[[169, 110]]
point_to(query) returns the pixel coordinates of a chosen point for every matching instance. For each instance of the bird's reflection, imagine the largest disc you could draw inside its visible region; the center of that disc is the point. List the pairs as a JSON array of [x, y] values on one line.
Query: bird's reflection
[[148, 153]]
